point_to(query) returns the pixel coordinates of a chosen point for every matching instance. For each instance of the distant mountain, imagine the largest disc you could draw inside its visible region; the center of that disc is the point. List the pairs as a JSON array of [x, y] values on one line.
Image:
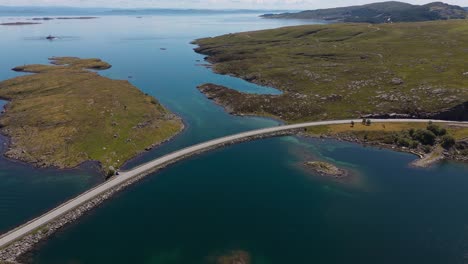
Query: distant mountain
[[381, 12]]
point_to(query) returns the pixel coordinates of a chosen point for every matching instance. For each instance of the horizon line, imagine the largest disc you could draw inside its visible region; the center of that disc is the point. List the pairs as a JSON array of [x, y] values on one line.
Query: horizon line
[[145, 8]]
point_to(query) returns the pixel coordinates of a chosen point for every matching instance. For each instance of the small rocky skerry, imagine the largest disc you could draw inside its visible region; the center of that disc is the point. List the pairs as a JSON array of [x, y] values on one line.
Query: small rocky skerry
[[326, 169]]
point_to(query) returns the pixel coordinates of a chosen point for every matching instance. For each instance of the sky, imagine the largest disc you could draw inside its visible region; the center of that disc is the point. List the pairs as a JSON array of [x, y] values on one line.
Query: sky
[[211, 4]]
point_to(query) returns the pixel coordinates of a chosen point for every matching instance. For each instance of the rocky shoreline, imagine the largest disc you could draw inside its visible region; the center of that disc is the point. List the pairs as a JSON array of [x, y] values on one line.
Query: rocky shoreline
[[38, 165], [429, 159], [14, 252]]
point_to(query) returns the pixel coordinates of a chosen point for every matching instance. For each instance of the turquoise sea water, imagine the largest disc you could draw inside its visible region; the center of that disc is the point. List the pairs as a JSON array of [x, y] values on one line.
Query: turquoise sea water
[[254, 197]]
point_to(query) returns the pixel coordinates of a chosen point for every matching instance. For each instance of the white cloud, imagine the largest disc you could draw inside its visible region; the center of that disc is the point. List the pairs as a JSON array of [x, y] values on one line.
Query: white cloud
[[257, 4]]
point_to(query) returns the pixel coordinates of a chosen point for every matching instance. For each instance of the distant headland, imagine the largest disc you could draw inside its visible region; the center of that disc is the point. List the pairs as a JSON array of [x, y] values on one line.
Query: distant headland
[[384, 12]]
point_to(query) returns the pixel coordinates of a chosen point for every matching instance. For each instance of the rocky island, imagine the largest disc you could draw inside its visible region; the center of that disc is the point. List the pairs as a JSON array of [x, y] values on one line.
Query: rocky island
[[326, 169], [64, 114]]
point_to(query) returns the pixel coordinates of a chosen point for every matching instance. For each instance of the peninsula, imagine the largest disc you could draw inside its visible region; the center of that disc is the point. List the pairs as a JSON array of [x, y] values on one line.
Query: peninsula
[[402, 70], [65, 114], [383, 12], [406, 70]]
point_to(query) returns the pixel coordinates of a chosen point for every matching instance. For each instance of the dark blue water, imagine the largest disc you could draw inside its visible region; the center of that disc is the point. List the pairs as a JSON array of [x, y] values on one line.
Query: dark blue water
[[254, 197]]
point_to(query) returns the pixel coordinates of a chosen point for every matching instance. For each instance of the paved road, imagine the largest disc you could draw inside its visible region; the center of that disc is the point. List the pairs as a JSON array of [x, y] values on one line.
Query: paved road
[[36, 223]]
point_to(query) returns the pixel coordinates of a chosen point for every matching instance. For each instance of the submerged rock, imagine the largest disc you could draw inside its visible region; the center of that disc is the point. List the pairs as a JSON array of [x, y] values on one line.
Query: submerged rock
[[232, 257], [326, 169]]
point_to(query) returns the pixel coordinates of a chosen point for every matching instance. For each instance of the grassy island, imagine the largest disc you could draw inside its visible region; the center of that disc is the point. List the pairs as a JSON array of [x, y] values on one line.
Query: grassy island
[[346, 70], [64, 114]]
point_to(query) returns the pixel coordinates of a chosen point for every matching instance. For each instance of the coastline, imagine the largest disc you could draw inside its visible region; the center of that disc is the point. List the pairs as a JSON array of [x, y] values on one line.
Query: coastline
[[234, 113], [215, 93], [424, 160], [99, 168], [156, 145]]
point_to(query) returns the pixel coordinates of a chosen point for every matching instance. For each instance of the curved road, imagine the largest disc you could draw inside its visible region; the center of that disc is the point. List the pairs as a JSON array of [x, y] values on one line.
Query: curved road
[[38, 222]]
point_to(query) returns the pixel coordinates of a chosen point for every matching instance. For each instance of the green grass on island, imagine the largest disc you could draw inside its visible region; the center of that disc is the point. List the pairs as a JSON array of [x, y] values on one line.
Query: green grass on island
[[346, 70], [64, 114]]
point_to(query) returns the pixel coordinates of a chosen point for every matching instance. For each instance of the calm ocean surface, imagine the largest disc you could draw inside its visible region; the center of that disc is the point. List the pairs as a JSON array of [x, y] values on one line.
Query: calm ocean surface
[[253, 197]]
